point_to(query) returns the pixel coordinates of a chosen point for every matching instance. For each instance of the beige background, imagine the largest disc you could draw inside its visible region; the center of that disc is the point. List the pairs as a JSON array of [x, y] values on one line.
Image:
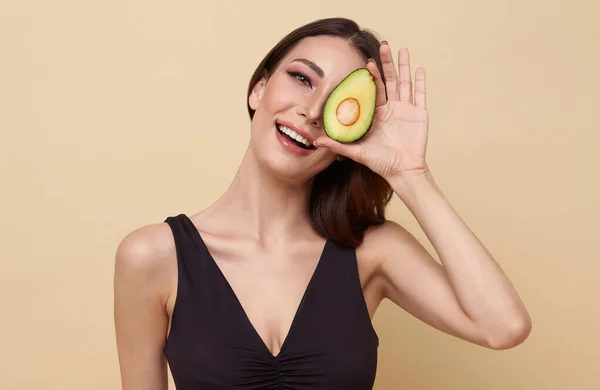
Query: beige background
[[115, 114]]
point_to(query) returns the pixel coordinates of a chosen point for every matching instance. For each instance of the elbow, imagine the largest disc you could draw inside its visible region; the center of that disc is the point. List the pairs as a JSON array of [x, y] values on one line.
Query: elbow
[[513, 333]]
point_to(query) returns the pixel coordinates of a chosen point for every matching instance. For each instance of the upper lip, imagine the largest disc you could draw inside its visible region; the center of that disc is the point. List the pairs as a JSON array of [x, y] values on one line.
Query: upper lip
[[297, 129]]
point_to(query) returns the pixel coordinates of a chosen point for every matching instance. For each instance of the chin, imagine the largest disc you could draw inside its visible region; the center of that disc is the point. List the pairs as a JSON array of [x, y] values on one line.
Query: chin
[[284, 161], [285, 169]]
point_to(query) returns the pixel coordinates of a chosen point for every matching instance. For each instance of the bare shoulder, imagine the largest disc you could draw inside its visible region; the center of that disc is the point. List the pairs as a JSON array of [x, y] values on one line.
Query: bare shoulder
[[146, 252], [396, 261], [379, 244], [383, 240]]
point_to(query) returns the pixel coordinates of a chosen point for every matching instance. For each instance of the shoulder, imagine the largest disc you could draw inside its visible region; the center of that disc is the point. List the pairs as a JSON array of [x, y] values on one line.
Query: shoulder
[[378, 245], [394, 258], [381, 246], [145, 248], [381, 241], [146, 256]]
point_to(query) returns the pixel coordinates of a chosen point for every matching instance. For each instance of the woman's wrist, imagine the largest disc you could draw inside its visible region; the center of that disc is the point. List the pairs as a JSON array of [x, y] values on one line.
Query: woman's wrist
[[410, 186]]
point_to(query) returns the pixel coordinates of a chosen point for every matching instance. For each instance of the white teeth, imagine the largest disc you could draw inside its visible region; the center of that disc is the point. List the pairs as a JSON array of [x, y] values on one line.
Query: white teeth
[[294, 135]]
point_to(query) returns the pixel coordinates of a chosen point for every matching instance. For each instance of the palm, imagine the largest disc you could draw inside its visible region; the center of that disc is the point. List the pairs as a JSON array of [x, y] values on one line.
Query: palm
[[397, 140], [396, 143]]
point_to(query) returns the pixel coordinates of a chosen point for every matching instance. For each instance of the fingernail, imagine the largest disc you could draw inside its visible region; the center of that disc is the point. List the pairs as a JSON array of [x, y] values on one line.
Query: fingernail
[[371, 60], [384, 42]]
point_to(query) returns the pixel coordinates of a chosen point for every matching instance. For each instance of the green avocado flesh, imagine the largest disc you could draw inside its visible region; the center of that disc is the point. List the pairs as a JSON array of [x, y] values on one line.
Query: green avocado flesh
[[349, 109]]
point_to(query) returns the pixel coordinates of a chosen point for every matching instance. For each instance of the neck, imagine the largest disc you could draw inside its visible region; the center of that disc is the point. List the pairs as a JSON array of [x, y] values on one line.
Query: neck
[[265, 207]]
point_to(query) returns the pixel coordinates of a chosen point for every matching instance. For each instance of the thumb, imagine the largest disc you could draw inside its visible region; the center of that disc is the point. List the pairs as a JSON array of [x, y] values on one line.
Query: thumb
[[351, 151]]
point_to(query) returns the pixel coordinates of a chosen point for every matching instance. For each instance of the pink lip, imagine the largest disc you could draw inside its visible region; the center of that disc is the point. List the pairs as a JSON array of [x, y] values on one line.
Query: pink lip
[[297, 130], [290, 146]]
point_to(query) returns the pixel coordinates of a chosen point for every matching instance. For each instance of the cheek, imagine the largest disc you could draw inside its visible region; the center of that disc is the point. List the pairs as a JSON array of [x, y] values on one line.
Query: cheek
[[281, 94]]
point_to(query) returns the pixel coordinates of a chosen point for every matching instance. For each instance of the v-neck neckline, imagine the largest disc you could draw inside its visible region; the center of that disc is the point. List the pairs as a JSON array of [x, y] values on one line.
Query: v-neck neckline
[[241, 307]]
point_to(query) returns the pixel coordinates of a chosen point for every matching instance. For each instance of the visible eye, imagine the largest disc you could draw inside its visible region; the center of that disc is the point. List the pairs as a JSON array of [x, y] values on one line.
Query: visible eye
[[301, 78]]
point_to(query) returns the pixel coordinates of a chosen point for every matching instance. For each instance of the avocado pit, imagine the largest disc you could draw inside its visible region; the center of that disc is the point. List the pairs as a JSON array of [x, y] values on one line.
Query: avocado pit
[[348, 111]]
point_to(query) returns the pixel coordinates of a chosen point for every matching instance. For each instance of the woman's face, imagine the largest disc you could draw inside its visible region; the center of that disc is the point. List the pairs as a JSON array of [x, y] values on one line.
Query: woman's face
[[292, 99]]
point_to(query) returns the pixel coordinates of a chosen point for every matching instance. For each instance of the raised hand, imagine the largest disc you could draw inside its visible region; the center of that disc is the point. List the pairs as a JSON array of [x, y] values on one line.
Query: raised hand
[[395, 146]]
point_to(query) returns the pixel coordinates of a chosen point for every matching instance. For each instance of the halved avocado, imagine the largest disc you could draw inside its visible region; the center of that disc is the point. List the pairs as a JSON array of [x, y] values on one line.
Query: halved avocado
[[349, 109]]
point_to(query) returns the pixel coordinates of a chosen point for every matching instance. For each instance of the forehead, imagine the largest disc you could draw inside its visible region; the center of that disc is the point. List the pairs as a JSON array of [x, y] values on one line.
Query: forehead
[[334, 55]]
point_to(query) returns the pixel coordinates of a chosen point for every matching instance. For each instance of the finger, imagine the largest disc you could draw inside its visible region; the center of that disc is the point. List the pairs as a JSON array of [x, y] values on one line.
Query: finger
[[420, 95], [351, 151], [389, 71], [405, 76], [381, 99]]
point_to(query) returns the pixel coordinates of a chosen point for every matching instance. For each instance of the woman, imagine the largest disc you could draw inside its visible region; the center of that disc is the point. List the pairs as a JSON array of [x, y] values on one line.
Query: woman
[[275, 284]]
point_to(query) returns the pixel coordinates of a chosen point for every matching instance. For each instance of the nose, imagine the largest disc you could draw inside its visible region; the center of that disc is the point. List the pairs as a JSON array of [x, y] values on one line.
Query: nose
[[312, 109]]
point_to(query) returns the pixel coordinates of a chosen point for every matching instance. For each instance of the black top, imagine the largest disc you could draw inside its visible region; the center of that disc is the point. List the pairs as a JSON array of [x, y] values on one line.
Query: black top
[[212, 344]]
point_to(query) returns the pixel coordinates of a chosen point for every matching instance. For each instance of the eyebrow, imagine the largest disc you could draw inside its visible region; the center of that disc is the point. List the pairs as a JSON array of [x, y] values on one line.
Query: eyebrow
[[311, 65]]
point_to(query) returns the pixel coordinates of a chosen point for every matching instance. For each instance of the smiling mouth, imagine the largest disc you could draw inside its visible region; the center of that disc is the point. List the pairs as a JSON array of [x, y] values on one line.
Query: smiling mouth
[[294, 137]]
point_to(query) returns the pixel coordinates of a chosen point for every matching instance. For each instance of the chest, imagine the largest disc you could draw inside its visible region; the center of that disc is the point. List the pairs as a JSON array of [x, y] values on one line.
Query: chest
[[267, 287], [240, 322]]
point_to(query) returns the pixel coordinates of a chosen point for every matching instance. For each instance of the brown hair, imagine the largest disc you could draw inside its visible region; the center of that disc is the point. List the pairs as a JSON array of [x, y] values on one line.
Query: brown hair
[[346, 197]]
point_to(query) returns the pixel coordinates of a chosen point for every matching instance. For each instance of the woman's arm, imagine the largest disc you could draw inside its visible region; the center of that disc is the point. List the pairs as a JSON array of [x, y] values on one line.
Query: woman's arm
[[469, 295], [139, 311]]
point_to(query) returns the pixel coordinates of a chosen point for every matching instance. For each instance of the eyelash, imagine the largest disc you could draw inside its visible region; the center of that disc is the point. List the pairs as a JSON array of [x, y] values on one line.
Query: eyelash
[[298, 75]]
